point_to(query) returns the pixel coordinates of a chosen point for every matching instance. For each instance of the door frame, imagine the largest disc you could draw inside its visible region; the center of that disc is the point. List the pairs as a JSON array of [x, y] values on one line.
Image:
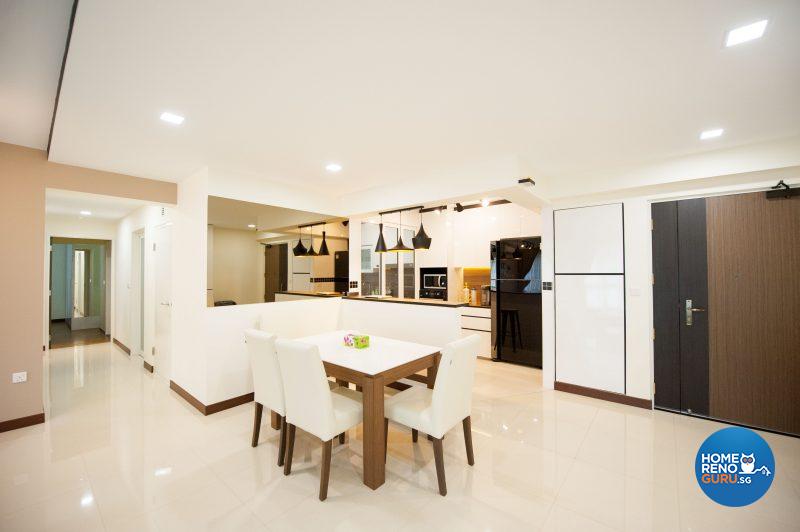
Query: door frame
[[710, 192]]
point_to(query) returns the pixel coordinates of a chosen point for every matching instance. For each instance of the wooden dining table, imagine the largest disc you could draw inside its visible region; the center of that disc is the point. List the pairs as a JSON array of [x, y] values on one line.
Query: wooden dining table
[[384, 362]]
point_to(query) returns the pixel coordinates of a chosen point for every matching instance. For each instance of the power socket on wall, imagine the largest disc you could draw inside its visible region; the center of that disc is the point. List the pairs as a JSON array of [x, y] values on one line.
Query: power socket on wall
[[21, 376]]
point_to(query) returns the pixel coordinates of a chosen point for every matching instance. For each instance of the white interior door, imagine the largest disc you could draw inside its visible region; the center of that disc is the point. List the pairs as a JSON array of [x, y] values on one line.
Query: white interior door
[[163, 299]]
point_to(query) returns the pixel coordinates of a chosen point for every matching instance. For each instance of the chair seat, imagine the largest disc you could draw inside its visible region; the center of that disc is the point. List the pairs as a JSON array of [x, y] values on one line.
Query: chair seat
[[348, 409], [412, 408]]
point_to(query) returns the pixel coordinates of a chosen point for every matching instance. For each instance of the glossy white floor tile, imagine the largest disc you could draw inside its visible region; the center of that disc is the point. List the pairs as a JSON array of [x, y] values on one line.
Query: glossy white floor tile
[[120, 451]]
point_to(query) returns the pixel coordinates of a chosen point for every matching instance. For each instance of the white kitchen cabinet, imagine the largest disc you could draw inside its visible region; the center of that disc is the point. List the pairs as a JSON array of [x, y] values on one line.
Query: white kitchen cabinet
[[436, 228], [485, 344], [475, 229]]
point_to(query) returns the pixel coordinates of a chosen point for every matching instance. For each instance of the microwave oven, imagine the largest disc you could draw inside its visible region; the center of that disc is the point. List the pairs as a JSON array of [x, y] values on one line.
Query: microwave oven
[[434, 281]]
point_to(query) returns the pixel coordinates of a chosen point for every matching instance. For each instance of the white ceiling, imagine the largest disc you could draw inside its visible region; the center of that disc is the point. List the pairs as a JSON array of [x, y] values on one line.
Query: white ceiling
[[69, 203], [32, 38], [395, 91]]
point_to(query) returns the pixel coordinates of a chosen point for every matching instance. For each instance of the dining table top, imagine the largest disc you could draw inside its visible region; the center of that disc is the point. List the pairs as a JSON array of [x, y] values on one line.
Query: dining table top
[[383, 353]]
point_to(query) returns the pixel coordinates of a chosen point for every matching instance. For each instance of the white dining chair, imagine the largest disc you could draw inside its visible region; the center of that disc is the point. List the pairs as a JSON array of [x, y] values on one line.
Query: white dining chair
[[312, 406], [436, 411], [267, 383]]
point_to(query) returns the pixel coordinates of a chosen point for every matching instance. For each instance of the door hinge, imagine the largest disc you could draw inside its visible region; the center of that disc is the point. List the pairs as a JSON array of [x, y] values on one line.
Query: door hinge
[[651, 224], [154, 246], [153, 350], [653, 279], [653, 334], [654, 388]]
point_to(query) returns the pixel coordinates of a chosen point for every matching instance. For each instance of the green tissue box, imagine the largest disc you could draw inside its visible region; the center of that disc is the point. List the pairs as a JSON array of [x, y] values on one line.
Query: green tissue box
[[359, 341]]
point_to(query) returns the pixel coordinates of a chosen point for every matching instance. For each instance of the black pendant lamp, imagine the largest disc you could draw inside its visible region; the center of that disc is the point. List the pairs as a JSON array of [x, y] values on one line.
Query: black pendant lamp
[[421, 240], [400, 247], [323, 249], [299, 250], [380, 247], [311, 252]]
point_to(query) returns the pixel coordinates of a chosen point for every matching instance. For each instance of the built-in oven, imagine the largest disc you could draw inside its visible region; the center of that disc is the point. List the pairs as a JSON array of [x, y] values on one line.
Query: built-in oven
[[433, 283]]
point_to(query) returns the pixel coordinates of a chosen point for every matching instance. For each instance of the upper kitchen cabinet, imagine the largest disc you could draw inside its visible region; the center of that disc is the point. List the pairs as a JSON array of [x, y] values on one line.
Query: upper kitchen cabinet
[[436, 227], [474, 229]]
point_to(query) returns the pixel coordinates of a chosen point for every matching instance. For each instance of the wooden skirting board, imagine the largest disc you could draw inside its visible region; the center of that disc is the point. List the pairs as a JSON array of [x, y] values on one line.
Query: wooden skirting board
[[214, 407], [604, 395], [122, 346], [21, 422], [147, 366]]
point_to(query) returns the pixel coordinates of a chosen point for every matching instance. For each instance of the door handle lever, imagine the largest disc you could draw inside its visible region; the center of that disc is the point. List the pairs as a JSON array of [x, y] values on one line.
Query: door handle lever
[[690, 310]]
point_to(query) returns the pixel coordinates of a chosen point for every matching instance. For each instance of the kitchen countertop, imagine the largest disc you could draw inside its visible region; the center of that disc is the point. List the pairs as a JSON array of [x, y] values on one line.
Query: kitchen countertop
[[309, 293], [411, 301]]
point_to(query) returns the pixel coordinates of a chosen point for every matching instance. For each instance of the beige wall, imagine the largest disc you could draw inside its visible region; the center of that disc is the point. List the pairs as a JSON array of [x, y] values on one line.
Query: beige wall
[[24, 175], [238, 266]]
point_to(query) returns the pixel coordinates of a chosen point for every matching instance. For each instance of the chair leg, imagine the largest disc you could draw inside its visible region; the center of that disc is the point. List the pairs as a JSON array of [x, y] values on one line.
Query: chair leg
[[325, 475], [414, 435], [282, 446], [287, 466], [257, 423], [467, 424], [438, 455], [385, 438], [341, 438]]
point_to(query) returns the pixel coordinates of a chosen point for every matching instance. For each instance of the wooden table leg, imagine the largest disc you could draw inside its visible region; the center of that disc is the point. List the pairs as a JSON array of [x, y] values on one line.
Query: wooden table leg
[[274, 420], [374, 466]]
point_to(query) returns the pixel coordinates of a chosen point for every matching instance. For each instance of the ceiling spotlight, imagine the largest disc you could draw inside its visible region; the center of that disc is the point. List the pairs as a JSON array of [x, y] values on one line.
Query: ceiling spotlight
[[251, 226], [485, 202], [172, 118], [333, 167], [711, 134], [86, 213], [746, 33]]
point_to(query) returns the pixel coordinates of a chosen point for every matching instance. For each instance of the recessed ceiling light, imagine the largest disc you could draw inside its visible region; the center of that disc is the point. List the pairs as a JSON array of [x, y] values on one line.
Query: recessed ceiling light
[[746, 33], [86, 213], [251, 226], [172, 118], [333, 167], [485, 202], [711, 133]]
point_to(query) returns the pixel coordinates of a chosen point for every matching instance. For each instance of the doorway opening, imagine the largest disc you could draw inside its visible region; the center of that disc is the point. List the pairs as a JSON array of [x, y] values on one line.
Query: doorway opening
[[726, 301], [79, 284]]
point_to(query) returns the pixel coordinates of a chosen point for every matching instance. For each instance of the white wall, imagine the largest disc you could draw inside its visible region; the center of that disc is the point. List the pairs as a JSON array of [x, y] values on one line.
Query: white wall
[[189, 263]]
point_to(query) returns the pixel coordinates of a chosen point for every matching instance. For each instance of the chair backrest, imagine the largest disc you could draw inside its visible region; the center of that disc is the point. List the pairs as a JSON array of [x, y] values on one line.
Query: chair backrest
[[267, 381], [452, 391], [308, 397]]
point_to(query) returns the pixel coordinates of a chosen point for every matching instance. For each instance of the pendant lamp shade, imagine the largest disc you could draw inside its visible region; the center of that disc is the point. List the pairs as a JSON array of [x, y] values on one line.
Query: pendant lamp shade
[[311, 252], [323, 248], [400, 247], [380, 247], [421, 240], [299, 250]]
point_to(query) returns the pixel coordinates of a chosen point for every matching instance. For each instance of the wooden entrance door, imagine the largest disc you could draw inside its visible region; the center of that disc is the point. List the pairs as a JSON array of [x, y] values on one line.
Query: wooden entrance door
[[739, 360], [276, 270]]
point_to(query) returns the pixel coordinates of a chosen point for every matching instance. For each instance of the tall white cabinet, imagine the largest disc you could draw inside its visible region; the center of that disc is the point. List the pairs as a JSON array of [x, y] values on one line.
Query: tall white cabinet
[[590, 297]]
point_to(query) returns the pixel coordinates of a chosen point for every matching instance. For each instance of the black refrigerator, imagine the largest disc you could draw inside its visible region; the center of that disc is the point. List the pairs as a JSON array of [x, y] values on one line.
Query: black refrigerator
[[516, 284]]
